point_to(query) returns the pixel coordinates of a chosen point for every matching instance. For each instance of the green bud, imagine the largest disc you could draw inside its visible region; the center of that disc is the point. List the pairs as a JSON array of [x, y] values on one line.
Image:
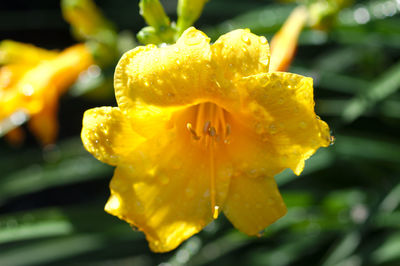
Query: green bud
[[154, 14], [148, 35], [188, 12]]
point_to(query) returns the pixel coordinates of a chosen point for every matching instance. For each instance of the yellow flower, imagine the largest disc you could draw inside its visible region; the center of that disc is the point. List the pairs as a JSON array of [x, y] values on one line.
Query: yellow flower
[[201, 129], [33, 79]]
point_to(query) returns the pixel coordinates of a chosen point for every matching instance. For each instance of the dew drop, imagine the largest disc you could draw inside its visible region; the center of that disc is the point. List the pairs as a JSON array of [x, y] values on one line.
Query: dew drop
[[96, 141], [28, 90], [193, 41], [264, 62], [244, 49], [146, 84], [134, 227], [246, 39], [263, 40], [332, 140]]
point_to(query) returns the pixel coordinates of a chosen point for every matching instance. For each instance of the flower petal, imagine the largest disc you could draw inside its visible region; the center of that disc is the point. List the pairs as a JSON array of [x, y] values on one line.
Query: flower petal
[[107, 135], [253, 203], [280, 110], [165, 191], [237, 54], [172, 75]]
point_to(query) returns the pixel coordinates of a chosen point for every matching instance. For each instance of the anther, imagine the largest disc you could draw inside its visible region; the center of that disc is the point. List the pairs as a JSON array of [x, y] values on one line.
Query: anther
[[191, 130], [228, 130], [206, 126], [212, 132]]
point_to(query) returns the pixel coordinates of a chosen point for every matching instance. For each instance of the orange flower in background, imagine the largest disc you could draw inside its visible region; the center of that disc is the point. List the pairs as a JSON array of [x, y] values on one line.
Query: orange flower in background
[[31, 82], [284, 42], [201, 129]]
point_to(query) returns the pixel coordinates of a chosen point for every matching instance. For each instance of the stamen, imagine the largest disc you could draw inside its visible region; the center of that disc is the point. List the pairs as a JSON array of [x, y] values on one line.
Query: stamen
[[189, 127], [215, 212], [212, 182], [206, 126], [212, 132], [228, 130], [209, 122]]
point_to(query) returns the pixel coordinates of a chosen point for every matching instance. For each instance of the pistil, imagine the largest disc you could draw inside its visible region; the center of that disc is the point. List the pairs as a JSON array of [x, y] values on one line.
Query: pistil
[[209, 129]]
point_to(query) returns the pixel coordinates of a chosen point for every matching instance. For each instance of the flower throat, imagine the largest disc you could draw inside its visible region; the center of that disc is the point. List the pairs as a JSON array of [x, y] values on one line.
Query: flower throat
[[208, 125]]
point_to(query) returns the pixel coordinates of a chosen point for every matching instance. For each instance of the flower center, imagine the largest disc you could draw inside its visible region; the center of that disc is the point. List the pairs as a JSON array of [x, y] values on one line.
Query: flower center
[[209, 124]]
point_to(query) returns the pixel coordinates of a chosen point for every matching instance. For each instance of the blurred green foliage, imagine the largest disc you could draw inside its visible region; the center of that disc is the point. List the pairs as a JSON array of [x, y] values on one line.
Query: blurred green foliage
[[343, 210]]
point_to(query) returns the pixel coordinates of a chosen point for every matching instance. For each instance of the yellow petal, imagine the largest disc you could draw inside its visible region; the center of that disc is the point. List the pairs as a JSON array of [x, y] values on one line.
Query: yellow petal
[[165, 191], [173, 75], [108, 135], [44, 124], [22, 53], [280, 110], [253, 203], [237, 54]]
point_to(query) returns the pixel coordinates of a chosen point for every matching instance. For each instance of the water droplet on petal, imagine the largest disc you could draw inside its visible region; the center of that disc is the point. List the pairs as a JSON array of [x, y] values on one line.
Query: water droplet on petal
[[332, 140], [28, 90], [263, 40], [134, 227], [246, 39]]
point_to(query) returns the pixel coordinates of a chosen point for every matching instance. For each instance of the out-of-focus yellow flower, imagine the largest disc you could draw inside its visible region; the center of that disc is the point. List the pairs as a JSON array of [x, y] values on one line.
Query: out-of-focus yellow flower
[[200, 129], [284, 42], [32, 81]]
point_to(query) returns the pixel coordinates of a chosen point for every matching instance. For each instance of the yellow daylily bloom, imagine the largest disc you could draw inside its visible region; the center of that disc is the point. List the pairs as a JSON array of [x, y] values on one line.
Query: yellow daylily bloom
[[201, 129], [32, 84]]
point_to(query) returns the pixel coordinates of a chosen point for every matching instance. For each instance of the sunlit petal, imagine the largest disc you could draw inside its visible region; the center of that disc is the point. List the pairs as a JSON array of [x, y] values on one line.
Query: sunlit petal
[[253, 203], [108, 135]]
